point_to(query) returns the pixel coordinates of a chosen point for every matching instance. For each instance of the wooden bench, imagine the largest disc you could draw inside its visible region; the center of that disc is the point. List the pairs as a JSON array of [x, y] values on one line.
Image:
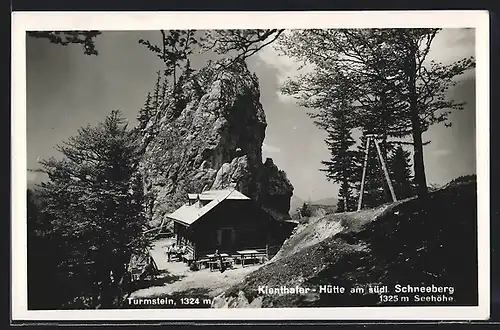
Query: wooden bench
[[203, 262], [260, 257], [212, 265], [135, 274], [247, 254], [188, 258], [227, 262]]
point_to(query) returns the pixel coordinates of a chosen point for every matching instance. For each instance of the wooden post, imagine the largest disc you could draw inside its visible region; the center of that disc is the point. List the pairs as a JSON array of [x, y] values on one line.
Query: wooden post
[[177, 233], [195, 256], [365, 163], [386, 173]]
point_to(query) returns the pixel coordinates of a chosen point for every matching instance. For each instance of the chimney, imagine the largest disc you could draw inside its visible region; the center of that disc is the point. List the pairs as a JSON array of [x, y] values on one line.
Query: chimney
[[198, 201]]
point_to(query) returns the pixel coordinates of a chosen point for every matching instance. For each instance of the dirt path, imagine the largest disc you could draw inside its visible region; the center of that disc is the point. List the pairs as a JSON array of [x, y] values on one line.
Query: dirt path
[[176, 278], [158, 252]]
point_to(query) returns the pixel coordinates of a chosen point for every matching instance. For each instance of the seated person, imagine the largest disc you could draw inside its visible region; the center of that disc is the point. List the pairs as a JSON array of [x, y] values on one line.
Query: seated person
[[220, 263], [171, 251], [182, 252]]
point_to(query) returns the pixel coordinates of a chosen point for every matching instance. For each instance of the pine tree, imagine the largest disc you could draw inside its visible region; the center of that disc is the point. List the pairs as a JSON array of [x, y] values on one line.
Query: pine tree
[[380, 120], [164, 92], [146, 113], [341, 168], [305, 211], [346, 193], [153, 107], [399, 168], [374, 192], [157, 91], [335, 114], [94, 203], [176, 47]]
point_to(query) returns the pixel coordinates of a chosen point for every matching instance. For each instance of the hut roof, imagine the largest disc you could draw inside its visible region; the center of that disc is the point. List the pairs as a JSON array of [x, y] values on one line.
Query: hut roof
[[210, 195], [188, 214]]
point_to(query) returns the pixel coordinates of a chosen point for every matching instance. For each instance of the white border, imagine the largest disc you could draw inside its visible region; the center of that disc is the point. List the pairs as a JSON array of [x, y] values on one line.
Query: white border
[[24, 21]]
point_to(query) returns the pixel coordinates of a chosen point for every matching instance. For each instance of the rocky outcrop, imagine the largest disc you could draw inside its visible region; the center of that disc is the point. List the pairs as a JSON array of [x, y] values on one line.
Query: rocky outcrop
[[240, 301], [264, 182], [211, 140]]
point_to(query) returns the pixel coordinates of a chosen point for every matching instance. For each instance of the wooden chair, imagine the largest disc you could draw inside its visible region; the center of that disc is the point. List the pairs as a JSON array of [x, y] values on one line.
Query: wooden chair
[[212, 265], [135, 274], [236, 258], [188, 258], [229, 262], [203, 262]]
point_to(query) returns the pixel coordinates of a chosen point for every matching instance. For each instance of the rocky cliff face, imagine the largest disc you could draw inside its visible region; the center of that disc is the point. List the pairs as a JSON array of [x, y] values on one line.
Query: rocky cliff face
[[212, 140]]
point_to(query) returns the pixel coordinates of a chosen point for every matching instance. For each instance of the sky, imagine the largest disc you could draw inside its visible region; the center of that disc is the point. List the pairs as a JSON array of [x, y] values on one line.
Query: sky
[[67, 90]]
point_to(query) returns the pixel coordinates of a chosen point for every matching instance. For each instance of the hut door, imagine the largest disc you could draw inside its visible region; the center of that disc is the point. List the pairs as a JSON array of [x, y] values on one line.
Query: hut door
[[227, 239]]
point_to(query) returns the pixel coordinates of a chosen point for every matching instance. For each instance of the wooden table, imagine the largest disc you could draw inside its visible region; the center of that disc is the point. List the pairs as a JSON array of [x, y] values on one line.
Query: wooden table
[[222, 255], [247, 253], [213, 262]]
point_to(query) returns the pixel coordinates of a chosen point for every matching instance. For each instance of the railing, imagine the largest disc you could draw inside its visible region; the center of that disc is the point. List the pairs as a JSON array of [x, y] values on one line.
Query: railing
[[190, 251]]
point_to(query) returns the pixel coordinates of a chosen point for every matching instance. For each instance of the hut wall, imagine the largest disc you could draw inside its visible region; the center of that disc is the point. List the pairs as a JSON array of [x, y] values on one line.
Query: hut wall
[[233, 225]]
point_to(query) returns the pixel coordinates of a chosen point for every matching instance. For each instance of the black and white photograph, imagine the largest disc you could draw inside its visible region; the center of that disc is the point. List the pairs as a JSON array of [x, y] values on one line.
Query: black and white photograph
[[289, 171]]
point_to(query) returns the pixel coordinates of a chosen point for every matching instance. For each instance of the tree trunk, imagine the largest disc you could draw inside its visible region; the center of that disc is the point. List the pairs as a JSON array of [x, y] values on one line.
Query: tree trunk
[[346, 193], [418, 160], [418, 149]]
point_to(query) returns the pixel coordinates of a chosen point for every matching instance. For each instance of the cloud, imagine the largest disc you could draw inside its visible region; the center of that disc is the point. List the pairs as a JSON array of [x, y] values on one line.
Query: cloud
[[451, 45], [284, 64], [285, 68], [270, 148]]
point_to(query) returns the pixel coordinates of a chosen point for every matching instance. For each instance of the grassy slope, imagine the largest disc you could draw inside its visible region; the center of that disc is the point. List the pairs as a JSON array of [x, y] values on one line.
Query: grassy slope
[[409, 242]]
